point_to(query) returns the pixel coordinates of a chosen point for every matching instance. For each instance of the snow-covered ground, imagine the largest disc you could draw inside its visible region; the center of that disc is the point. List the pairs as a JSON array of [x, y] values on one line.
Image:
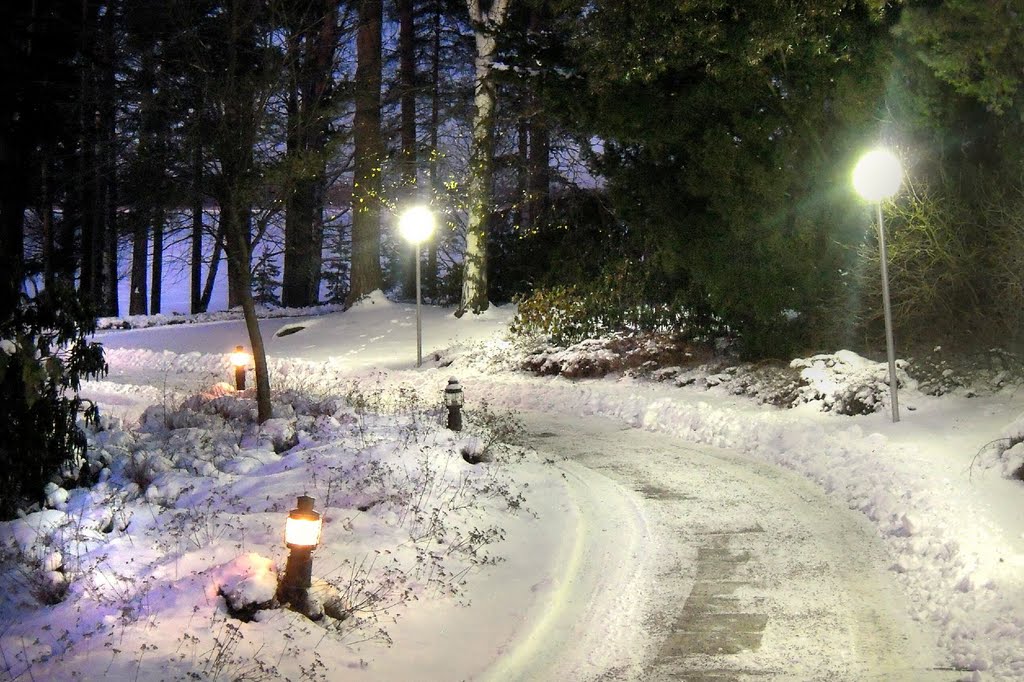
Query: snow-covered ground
[[548, 563]]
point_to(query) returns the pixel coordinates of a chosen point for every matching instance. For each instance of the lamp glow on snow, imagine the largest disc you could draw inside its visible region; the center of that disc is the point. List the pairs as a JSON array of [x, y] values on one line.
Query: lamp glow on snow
[[876, 177], [416, 225], [240, 360], [454, 400], [301, 535]]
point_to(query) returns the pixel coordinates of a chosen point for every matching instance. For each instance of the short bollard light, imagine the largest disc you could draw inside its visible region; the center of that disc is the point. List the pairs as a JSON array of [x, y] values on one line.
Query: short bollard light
[[240, 360], [453, 400], [301, 535]]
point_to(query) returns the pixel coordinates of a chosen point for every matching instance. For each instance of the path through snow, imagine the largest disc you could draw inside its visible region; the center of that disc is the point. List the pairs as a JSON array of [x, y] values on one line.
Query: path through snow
[[749, 570]]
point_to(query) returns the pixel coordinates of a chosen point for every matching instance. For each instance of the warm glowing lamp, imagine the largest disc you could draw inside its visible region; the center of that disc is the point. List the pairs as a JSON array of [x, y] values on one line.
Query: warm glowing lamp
[[241, 361], [303, 526], [301, 535]]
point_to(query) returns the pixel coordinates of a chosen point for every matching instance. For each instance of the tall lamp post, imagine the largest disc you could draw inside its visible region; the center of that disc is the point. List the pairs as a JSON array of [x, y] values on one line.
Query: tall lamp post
[[416, 226], [876, 177]]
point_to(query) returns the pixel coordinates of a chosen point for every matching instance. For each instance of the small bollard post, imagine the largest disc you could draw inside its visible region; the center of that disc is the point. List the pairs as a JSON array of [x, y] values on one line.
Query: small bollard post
[[240, 359], [301, 535], [453, 400]]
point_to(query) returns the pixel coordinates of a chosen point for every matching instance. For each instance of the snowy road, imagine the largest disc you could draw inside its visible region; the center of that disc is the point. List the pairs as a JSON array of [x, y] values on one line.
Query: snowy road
[[745, 571]]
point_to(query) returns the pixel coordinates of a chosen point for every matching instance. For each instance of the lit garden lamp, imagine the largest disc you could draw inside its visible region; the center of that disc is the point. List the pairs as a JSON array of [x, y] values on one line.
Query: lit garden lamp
[[301, 535], [454, 400], [416, 226], [241, 361], [876, 177]]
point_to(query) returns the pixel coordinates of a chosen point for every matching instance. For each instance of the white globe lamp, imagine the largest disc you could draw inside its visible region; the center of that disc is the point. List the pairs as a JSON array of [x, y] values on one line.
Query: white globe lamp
[[878, 175]]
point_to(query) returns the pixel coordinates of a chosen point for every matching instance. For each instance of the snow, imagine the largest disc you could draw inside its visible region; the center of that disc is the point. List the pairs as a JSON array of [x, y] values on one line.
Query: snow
[[571, 561]]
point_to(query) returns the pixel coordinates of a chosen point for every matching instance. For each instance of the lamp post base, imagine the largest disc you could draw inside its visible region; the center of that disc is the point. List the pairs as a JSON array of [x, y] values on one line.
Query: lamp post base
[[298, 577], [454, 419], [239, 378]]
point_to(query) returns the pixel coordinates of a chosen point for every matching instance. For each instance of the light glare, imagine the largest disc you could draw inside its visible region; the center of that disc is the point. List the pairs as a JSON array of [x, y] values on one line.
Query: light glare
[[877, 175], [302, 532], [416, 224], [239, 358]]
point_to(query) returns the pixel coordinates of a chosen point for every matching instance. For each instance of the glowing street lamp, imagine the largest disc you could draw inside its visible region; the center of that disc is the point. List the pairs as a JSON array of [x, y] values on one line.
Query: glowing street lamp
[[241, 361], [454, 400], [876, 177], [416, 226], [301, 535]]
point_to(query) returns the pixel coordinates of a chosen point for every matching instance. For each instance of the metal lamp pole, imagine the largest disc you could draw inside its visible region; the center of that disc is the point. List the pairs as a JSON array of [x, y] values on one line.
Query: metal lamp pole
[[890, 344], [876, 177], [419, 322], [416, 225]]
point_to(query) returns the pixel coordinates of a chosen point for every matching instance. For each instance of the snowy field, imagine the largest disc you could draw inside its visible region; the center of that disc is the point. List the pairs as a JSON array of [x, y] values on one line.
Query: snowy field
[[535, 563]]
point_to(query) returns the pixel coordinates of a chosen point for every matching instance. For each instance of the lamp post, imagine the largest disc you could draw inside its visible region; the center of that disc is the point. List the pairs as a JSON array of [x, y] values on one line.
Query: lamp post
[[876, 177], [416, 225], [453, 400], [240, 359], [301, 535]]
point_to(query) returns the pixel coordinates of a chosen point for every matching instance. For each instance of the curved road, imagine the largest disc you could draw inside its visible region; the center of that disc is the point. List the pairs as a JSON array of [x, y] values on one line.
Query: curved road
[[742, 571]]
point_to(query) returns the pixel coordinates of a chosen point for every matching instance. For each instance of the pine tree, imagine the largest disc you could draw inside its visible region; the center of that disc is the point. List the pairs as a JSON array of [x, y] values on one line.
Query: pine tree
[[266, 280], [336, 266]]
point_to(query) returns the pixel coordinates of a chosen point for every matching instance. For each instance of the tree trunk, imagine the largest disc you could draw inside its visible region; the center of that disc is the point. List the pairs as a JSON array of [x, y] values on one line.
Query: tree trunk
[[311, 47], [156, 291], [243, 215], [430, 283], [13, 193], [303, 244], [481, 160], [103, 267], [140, 248], [522, 213], [46, 198], [538, 186], [88, 168], [108, 243], [474, 279], [211, 273], [239, 257], [112, 303], [86, 217], [242, 105], [196, 279], [366, 186], [539, 183], [407, 89]]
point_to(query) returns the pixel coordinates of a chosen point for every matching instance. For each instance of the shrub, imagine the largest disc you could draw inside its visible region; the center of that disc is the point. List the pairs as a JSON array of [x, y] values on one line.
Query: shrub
[[44, 356], [619, 299]]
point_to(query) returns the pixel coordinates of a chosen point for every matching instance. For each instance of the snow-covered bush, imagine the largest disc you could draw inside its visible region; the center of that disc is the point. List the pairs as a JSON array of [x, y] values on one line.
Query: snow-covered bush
[[940, 371], [847, 383], [1005, 454], [618, 300], [639, 354]]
